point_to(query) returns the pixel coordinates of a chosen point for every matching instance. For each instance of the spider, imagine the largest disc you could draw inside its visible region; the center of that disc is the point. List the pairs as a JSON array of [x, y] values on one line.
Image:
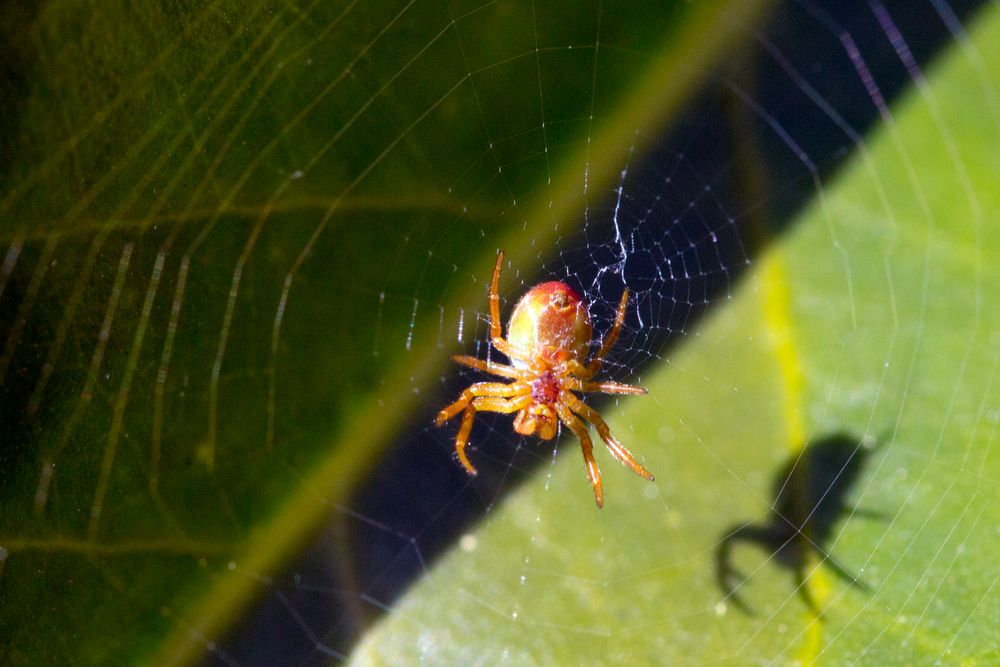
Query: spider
[[548, 337]]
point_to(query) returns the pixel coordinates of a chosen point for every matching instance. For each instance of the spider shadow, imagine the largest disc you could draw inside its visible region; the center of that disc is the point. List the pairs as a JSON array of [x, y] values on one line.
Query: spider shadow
[[809, 500]]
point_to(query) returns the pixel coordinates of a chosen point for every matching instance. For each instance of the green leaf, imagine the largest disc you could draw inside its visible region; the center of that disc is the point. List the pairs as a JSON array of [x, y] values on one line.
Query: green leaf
[[204, 347], [873, 328]]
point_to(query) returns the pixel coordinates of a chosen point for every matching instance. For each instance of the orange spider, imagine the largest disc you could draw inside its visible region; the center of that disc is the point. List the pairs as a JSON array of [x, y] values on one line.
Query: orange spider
[[547, 339]]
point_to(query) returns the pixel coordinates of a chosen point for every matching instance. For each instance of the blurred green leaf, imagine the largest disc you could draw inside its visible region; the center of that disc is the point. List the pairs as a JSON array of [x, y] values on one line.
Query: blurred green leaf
[[200, 204], [875, 322]]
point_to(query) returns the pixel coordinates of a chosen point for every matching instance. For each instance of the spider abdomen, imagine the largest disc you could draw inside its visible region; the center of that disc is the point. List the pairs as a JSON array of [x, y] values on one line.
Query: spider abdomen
[[550, 323]]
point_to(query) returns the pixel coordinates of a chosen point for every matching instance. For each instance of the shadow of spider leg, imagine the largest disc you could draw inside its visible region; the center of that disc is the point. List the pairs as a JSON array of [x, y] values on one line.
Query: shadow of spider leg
[[810, 493]]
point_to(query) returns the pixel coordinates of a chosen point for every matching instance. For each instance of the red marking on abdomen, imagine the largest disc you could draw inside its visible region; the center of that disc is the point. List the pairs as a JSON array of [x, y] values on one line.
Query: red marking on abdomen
[[572, 296]]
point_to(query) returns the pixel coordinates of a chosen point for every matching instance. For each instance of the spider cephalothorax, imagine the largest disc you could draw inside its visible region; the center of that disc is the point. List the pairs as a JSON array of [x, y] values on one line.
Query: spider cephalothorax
[[548, 338]]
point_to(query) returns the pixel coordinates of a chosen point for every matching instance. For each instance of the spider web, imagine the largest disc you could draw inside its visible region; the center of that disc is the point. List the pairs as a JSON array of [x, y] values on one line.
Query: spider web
[[212, 366]]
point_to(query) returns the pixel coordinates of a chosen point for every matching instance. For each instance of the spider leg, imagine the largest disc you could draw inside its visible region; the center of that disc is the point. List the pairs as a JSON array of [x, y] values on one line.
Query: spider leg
[[480, 389], [496, 329], [462, 439], [616, 448], [593, 472], [612, 336], [490, 367], [578, 369], [483, 404], [603, 387], [501, 405]]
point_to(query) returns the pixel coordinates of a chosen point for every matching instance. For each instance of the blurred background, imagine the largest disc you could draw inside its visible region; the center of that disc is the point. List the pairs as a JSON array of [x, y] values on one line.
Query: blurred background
[[239, 243]]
